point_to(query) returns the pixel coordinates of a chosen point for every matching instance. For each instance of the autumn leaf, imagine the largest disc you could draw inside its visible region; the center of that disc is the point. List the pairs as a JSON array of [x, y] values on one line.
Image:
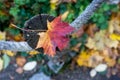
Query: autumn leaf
[[115, 36], [95, 58], [100, 41], [2, 35], [1, 64], [8, 52], [55, 36], [78, 33], [33, 52], [82, 58], [114, 23], [64, 15]]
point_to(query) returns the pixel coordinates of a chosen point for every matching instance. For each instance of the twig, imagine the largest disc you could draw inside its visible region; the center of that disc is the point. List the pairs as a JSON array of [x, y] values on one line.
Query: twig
[[26, 29]]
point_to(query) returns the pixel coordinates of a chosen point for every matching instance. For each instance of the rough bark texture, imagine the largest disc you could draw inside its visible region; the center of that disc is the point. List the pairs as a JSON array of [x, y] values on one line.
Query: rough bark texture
[[78, 22], [14, 46], [85, 16]]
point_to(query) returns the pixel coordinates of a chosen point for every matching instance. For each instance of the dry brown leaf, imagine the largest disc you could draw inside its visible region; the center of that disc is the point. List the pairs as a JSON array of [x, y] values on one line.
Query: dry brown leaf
[[109, 61], [91, 43], [78, 33], [76, 47], [91, 30], [100, 41], [95, 59], [114, 23]]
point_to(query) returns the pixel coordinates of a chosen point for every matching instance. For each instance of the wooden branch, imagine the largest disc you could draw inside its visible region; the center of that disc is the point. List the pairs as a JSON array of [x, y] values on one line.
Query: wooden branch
[[77, 23], [14, 46], [86, 14]]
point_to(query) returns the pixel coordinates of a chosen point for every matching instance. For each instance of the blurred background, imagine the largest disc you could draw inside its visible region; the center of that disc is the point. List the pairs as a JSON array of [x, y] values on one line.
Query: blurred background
[[18, 11]]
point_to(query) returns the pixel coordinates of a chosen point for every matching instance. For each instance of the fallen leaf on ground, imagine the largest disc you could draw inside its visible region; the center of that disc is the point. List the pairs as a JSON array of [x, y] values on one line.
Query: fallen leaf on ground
[[110, 62], [2, 35], [33, 52], [95, 58], [91, 29], [100, 41], [114, 23], [82, 59], [91, 43], [6, 60], [1, 64], [78, 33], [115, 36], [8, 52], [55, 36], [64, 15]]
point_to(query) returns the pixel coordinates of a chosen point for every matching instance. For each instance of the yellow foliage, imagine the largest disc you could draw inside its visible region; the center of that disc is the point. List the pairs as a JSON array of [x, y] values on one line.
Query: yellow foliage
[[18, 37], [92, 58], [114, 23], [64, 15], [2, 35], [115, 36], [8, 52], [103, 46], [33, 52], [109, 61], [53, 4], [100, 41], [82, 59], [95, 58]]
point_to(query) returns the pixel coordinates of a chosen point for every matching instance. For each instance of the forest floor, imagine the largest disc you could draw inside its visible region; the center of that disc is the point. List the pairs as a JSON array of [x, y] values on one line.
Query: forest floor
[[78, 73]]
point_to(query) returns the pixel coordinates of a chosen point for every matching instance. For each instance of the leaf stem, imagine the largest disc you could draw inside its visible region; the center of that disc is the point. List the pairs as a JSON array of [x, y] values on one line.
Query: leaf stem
[[25, 29]]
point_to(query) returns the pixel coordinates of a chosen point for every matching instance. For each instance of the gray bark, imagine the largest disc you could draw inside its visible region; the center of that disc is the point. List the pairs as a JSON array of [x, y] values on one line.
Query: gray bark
[[86, 14], [14, 46], [77, 23]]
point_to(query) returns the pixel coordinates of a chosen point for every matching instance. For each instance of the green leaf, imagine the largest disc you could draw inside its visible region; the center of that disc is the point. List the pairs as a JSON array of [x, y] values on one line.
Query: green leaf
[[73, 41], [41, 0], [14, 11], [21, 2], [13, 31], [24, 54], [6, 60]]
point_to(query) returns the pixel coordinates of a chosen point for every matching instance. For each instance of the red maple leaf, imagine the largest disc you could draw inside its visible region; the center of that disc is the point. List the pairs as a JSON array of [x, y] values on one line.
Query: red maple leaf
[[55, 36]]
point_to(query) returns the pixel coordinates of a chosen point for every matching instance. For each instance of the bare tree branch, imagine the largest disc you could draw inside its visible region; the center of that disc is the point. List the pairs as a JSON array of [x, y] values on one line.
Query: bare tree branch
[[86, 14], [14, 46], [77, 23]]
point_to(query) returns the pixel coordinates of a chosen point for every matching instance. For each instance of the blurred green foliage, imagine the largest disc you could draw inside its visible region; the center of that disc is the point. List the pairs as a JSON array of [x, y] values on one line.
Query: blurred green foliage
[[18, 11]]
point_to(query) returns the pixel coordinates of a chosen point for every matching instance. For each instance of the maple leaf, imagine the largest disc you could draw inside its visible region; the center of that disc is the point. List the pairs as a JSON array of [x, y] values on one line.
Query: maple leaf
[[55, 36]]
